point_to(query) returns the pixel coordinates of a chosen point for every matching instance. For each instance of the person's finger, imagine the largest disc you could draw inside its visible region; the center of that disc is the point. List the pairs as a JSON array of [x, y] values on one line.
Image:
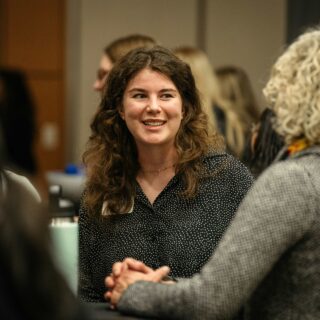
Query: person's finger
[[116, 269], [115, 295], [137, 265], [107, 295], [160, 273], [109, 282]]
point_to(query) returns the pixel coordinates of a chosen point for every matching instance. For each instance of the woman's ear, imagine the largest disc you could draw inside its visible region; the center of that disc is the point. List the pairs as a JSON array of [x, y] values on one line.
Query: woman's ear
[[121, 113]]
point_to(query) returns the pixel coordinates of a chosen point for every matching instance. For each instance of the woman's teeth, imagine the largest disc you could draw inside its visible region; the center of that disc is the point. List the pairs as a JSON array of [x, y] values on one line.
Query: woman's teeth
[[154, 124]]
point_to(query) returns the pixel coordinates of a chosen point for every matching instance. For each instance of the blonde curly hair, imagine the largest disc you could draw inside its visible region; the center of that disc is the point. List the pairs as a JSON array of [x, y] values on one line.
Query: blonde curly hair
[[293, 90]]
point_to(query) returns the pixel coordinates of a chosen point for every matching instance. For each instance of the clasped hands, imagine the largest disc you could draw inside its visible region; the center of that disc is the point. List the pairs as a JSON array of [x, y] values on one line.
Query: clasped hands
[[128, 272]]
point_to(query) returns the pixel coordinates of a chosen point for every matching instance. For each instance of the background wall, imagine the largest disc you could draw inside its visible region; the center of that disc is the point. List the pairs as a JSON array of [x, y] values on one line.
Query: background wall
[[249, 33]]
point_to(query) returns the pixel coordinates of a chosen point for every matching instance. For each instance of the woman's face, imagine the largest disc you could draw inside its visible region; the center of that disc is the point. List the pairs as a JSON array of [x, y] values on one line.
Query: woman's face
[[152, 109]]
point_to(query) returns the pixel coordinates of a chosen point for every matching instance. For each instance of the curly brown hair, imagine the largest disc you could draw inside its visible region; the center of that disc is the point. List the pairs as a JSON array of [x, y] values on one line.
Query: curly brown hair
[[111, 157]]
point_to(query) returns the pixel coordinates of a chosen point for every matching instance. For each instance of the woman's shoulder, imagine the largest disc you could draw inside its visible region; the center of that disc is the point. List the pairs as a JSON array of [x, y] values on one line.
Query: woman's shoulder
[[221, 158], [306, 163], [294, 175], [24, 182], [215, 156], [227, 169], [291, 186]]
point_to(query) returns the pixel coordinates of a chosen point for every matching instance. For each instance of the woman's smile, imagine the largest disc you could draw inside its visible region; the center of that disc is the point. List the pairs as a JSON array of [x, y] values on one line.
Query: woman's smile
[[154, 123]]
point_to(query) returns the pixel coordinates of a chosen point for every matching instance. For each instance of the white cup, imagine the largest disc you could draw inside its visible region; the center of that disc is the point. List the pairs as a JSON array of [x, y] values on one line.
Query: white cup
[[66, 250]]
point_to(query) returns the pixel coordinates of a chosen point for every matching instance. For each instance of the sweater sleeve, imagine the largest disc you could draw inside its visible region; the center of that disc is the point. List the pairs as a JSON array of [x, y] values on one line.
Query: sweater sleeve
[[275, 214]]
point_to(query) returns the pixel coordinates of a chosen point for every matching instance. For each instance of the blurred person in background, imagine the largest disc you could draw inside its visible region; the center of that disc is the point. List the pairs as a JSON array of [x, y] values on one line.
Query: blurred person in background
[[114, 51], [268, 259], [263, 145], [31, 287], [206, 80], [239, 110], [160, 187], [17, 130], [17, 122]]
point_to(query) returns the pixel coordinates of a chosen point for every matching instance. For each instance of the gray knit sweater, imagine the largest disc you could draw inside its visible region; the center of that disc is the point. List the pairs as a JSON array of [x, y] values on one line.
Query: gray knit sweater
[[268, 261]]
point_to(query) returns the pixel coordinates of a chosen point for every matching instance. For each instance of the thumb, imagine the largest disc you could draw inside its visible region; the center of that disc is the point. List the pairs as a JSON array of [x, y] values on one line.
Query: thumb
[[160, 273]]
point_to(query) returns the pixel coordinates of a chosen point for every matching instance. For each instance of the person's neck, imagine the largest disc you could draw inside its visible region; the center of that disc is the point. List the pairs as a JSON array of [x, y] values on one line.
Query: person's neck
[[156, 160]]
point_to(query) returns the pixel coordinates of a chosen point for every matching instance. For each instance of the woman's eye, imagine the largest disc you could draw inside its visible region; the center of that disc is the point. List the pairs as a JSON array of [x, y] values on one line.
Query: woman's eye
[[139, 96], [166, 96]]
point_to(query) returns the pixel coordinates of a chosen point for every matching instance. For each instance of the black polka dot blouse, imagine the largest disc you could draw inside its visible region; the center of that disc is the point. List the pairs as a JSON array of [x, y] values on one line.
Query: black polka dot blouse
[[174, 231]]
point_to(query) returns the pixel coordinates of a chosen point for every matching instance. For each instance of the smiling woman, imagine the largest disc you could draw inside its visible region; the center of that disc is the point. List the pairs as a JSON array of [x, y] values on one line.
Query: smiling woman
[[159, 186]]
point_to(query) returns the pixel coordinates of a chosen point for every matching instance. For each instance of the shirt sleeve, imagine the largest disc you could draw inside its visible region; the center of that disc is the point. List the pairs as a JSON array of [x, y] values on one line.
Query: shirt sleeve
[[86, 290], [274, 215]]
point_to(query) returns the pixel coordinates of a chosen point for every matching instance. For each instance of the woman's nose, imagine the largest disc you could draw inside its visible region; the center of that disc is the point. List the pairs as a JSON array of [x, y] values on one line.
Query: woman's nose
[[153, 105]]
